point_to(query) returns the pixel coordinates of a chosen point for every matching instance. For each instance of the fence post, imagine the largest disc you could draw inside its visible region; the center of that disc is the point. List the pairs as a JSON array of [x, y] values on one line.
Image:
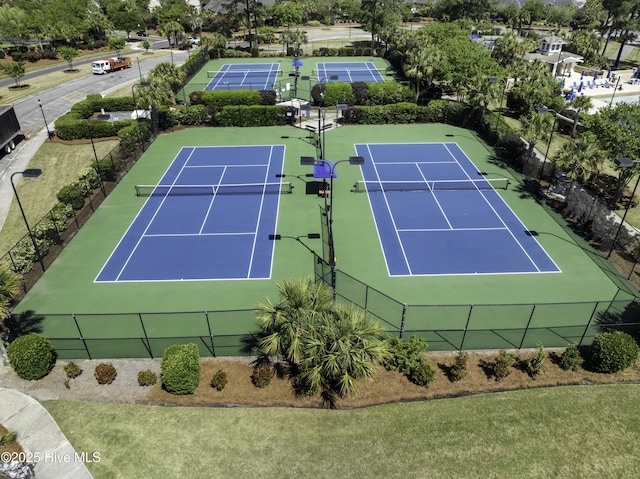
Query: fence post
[[526, 328], [404, 313], [584, 333], [466, 327], [146, 337], [213, 348], [86, 348]]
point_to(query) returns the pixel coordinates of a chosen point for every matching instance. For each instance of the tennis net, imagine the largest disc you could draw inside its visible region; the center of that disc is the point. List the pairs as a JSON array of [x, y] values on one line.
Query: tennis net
[[439, 185], [210, 190], [326, 72], [244, 73]]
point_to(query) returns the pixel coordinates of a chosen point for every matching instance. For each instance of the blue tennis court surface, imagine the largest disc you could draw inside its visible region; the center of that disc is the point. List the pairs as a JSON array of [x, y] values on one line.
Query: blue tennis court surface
[[244, 76], [209, 218], [349, 72], [436, 214]]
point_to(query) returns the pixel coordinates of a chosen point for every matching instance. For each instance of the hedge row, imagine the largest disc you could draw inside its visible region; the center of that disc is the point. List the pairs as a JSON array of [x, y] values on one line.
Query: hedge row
[[362, 93], [220, 98]]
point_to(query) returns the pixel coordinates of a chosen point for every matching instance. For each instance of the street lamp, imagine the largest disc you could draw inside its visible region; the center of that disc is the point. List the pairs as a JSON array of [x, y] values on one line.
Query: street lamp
[[95, 155], [29, 173], [543, 111], [277, 237], [624, 163], [311, 161], [495, 80], [322, 114], [46, 125]]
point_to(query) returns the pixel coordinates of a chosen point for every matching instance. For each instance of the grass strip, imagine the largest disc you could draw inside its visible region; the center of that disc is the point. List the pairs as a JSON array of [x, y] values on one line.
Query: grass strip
[[570, 432]]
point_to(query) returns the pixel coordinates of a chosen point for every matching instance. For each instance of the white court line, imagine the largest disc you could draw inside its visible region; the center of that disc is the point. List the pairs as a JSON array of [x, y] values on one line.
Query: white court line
[[524, 250], [124, 266], [182, 235], [255, 238], [427, 230], [393, 221], [213, 198], [435, 198]]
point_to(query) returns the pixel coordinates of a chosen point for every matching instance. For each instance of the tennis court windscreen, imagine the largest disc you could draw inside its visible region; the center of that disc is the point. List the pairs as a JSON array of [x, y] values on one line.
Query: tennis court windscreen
[[204, 190], [440, 185]]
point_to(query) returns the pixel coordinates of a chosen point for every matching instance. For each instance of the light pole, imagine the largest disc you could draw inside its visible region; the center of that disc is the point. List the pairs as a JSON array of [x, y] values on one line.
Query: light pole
[[311, 161], [614, 90], [495, 80], [29, 173], [277, 237], [46, 125], [543, 111], [322, 113], [95, 155], [624, 163]]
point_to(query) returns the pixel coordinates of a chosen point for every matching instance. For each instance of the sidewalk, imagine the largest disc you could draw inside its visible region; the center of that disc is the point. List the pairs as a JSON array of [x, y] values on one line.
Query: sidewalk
[[41, 438]]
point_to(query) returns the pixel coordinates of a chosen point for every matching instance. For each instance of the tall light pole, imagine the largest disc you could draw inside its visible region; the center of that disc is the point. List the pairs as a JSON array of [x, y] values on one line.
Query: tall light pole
[[322, 113], [46, 125], [95, 155], [495, 80], [311, 161], [29, 173], [614, 90], [543, 111], [624, 163]]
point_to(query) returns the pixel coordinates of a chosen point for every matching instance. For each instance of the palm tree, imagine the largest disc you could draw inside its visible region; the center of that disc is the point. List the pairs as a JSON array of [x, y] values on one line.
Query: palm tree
[[581, 159], [215, 40], [157, 93], [420, 64], [283, 325], [535, 127], [341, 347], [9, 287], [171, 29], [580, 103]]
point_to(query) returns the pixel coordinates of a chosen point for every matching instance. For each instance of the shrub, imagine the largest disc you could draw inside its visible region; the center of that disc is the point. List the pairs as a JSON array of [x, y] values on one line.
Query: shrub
[[219, 380], [180, 368], [147, 378], [304, 388], [105, 373], [459, 368], [31, 356], [613, 352], [72, 194], [72, 370], [502, 365], [571, 359], [261, 375], [421, 372], [535, 363], [7, 438]]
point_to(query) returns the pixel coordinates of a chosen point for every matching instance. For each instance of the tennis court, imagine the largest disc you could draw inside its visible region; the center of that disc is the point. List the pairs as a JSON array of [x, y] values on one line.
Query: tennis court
[[349, 72], [244, 76], [437, 214], [208, 218]]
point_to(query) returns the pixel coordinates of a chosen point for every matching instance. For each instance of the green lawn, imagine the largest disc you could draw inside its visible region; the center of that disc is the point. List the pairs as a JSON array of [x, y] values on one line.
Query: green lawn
[[577, 432]]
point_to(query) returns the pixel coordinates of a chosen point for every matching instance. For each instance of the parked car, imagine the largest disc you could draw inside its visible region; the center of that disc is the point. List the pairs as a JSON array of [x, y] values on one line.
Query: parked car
[[141, 33]]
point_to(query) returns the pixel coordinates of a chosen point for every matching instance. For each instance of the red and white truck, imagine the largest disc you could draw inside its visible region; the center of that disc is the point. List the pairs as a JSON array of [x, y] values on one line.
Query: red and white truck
[[106, 65]]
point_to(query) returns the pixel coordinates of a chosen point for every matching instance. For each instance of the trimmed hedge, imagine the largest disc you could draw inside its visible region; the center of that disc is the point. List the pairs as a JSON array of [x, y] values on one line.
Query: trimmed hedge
[[255, 115], [220, 98], [31, 356], [613, 352], [180, 368]]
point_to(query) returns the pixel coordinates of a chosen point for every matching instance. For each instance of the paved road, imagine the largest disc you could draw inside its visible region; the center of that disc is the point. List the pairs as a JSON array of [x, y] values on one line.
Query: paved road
[[56, 102]]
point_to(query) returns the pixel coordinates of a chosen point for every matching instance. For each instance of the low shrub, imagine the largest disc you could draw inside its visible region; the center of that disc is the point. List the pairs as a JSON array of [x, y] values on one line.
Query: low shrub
[[612, 352], [459, 369], [219, 380], [571, 359], [304, 388], [31, 356], [534, 364], [262, 375], [147, 378], [421, 372], [72, 194], [502, 365], [180, 368], [105, 373], [72, 370], [7, 438]]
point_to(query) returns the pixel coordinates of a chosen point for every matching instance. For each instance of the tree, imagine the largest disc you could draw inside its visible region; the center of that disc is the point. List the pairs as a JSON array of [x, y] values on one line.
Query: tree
[[172, 30], [117, 44], [283, 325], [146, 44], [14, 70], [341, 347], [156, 94], [535, 127], [14, 24], [215, 40], [580, 103], [581, 159], [377, 15], [9, 288], [420, 64], [168, 73], [68, 53]]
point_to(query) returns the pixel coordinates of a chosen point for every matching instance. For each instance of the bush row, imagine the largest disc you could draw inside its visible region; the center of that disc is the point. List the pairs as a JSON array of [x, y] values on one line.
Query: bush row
[[362, 93], [220, 98]]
